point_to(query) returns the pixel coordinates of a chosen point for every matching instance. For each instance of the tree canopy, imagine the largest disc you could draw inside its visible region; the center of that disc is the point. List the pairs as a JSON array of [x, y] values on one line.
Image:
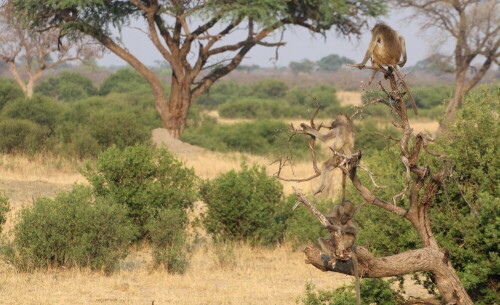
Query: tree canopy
[[190, 35]]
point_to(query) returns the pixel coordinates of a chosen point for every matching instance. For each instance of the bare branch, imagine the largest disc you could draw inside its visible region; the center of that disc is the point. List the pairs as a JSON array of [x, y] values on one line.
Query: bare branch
[[371, 177]]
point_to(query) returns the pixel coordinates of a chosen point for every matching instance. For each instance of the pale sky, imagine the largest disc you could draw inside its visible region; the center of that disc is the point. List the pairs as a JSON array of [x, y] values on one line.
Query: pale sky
[[300, 45]]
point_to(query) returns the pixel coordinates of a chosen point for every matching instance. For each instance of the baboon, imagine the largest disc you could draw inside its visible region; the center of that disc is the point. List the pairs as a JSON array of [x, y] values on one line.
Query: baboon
[[386, 49], [341, 217], [342, 131]]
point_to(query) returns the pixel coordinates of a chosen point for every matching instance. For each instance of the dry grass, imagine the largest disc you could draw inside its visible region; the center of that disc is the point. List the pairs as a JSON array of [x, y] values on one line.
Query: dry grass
[[258, 276], [349, 98], [40, 168], [217, 275], [253, 276], [210, 164]]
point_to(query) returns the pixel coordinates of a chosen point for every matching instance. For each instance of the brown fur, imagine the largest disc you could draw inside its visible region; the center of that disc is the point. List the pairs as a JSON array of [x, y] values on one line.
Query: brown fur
[[386, 47], [342, 131], [341, 217]]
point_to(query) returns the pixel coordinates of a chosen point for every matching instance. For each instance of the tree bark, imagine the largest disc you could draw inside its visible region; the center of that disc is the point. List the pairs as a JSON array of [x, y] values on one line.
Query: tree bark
[[431, 258], [455, 102], [424, 259], [423, 188], [19, 80]]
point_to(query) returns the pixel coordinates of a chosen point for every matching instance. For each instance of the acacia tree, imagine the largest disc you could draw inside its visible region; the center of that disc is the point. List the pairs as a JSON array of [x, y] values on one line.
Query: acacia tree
[[474, 25], [28, 53], [422, 186], [190, 34]]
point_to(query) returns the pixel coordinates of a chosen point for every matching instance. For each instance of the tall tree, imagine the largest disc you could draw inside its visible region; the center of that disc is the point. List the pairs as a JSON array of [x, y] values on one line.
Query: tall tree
[[474, 25], [411, 203], [28, 53], [333, 62], [189, 33]]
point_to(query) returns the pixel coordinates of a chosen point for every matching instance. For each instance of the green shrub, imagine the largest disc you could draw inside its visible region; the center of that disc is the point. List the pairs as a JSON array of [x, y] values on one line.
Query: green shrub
[[9, 91], [81, 144], [426, 98], [465, 217], [123, 80], [72, 230], [39, 109], [244, 206], [260, 137], [220, 93], [431, 96], [301, 226], [262, 108], [67, 86], [168, 235], [143, 179], [269, 88], [22, 136], [117, 128], [373, 291], [369, 136], [4, 208], [92, 125], [341, 296]]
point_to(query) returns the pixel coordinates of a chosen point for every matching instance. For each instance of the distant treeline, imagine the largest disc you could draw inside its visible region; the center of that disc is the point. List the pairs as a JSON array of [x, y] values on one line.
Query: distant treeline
[[71, 116]]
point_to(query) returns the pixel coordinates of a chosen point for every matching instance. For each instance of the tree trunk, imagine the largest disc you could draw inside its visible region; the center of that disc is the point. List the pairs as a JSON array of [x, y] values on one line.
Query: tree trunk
[[18, 78], [424, 259], [178, 106], [29, 88], [454, 104]]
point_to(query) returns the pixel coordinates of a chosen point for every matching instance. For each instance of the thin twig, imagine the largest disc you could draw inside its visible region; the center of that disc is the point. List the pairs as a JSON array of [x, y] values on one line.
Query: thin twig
[[370, 174]]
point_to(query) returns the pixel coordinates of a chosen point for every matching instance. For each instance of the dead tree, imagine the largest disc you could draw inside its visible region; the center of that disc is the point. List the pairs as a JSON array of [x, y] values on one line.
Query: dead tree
[[422, 185]]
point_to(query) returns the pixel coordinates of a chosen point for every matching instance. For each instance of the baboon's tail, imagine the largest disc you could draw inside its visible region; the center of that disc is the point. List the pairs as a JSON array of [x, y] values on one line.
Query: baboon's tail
[[412, 100]]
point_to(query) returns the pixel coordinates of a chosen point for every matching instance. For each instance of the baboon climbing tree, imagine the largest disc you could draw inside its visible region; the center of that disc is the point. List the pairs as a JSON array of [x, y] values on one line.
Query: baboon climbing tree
[[422, 185]]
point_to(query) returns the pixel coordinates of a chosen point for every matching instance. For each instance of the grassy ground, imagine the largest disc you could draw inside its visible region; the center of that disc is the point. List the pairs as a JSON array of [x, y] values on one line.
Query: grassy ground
[[237, 274]]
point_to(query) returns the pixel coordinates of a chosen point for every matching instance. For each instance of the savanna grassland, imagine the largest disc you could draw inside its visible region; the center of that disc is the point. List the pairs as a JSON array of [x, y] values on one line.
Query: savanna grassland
[[231, 274], [234, 273]]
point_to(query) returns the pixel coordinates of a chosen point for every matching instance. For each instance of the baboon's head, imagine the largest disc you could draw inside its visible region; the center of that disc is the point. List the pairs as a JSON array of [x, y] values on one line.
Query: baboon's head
[[341, 120], [347, 212], [381, 28]]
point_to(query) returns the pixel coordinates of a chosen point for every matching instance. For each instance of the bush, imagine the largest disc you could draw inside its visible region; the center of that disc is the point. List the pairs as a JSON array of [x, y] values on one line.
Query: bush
[[220, 93], [269, 88], [465, 217], [144, 180], [39, 109], [301, 226], [67, 86], [373, 291], [9, 91], [168, 235], [430, 97], [426, 98], [22, 136], [369, 137], [260, 137], [124, 80], [244, 206], [252, 107], [4, 208], [73, 230], [117, 128]]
